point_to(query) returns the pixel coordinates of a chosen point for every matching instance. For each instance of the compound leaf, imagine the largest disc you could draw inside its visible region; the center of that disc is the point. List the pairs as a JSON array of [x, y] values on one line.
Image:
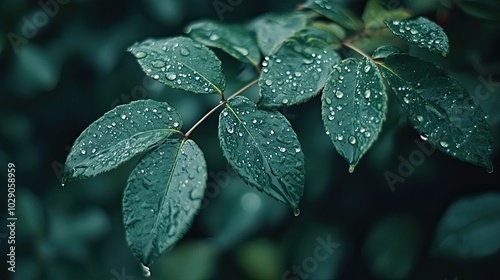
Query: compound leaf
[[263, 149], [233, 39], [335, 12], [296, 72], [469, 228], [163, 194], [120, 134], [354, 104], [180, 63], [421, 32], [440, 109]]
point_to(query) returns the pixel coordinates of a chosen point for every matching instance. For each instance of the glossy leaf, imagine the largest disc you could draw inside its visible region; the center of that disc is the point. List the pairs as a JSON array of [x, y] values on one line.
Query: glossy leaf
[[233, 39], [421, 32], [440, 109], [296, 72], [271, 30], [120, 134], [384, 51], [335, 12], [354, 104], [180, 63], [469, 228], [263, 149], [375, 13], [163, 194]]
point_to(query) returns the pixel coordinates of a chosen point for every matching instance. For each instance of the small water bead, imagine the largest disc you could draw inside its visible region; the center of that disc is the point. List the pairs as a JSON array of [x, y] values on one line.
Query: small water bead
[[297, 150], [269, 82], [352, 140], [140, 55], [414, 31], [340, 137], [339, 94], [158, 63], [368, 93], [285, 101], [265, 63], [243, 51], [271, 132], [184, 52], [328, 101], [282, 149], [443, 144], [230, 129], [214, 37], [367, 68], [176, 124], [420, 118], [298, 74], [171, 76], [156, 76], [296, 212]]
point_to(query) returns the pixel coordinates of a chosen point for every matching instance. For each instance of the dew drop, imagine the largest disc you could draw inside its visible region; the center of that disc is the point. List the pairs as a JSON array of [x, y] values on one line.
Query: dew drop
[[367, 68], [420, 118], [176, 124], [269, 82], [308, 61], [140, 55], [214, 37], [443, 144], [328, 101], [185, 52], [296, 212], [83, 152], [158, 64], [297, 150], [156, 77], [339, 94], [352, 140], [230, 129], [271, 132], [298, 74], [285, 101], [282, 149], [423, 137], [368, 93], [414, 31], [171, 76], [145, 270], [243, 51]]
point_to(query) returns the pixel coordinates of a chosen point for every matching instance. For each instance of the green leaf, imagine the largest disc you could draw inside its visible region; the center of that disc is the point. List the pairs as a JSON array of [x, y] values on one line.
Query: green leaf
[[271, 30], [375, 13], [263, 149], [384, 51], [332, 33], [296, 72], [180, 63], [469, 228], [440, 109], [335, 12], [163, 194], [120, 134], [233, 39], [421, 32], [354, 104]]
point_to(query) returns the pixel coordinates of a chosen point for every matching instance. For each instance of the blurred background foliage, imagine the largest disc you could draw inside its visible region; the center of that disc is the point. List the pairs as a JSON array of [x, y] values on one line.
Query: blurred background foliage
[[66, 65]]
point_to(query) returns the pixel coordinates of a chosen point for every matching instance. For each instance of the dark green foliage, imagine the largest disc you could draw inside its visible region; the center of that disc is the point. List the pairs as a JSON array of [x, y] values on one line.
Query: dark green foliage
[[300, 57]]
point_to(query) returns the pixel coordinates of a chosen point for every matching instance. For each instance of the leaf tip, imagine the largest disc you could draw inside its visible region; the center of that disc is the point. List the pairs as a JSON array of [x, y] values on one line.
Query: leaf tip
[[351, 168]]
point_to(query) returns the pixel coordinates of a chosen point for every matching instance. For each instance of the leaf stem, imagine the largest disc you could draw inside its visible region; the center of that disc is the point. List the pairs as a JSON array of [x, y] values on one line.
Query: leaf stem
[[356, 49], [221, 103]]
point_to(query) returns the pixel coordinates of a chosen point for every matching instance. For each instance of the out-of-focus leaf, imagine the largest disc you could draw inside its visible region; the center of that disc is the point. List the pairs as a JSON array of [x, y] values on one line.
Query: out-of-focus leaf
[[163, 194], [271, 30], [483, 9], [393, 246], [440, 109], [119, 135], [421, 32], [375, 13], [469, 228], [335, 12], [354, 104], [233, 39], [263, 149], [180, 63]]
